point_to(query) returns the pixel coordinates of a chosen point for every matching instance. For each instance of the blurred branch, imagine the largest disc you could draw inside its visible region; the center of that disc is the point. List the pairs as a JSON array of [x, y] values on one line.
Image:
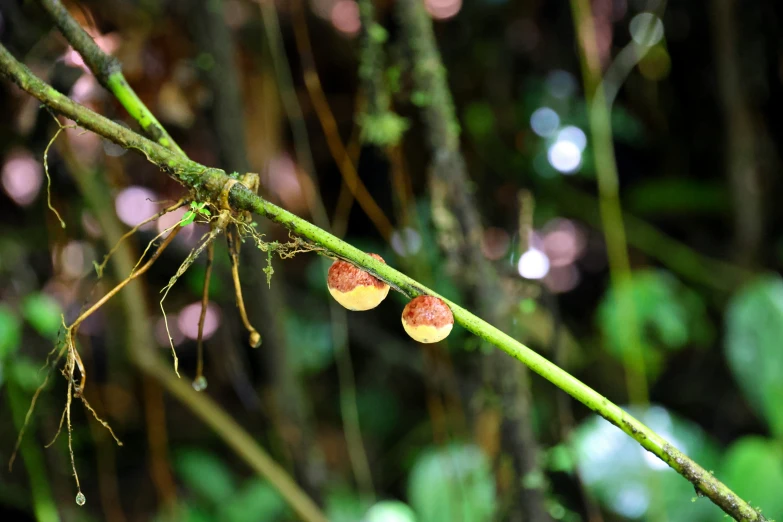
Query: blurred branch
[[599, 116], [329, 125], [290, 412], [209, 184], [108, 71], [44, 506], [744, 137], [357, 453], [675, 255], [458, 222]]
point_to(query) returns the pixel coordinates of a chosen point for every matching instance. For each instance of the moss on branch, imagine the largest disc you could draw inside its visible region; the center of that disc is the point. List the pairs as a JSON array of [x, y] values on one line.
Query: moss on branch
[[108, 71]]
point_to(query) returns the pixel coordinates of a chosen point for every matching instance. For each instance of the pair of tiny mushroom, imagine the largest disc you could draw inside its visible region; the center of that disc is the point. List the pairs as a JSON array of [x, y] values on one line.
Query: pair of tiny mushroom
[[425, 318]]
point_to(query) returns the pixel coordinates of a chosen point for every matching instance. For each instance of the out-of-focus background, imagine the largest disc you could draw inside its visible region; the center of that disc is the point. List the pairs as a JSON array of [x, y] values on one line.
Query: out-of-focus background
[[367, 422]]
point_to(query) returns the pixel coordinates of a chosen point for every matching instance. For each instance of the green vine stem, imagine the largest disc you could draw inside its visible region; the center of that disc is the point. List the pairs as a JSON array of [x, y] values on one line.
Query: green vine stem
[[108, 72], [207, 185]]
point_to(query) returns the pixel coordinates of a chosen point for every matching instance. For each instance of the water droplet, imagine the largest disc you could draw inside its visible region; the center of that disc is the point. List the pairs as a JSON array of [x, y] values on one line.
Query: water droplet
[[200, 383], [80, 498]]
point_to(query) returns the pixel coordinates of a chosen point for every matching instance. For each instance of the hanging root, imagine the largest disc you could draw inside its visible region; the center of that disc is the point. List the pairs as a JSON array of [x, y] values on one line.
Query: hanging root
[[192, 256], [100, 267], [200, 382], [60, 128], [233, 251]]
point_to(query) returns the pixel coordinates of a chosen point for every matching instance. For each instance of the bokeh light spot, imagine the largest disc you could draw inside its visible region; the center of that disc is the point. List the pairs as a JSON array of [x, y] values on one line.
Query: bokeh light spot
[[544, 121], [573, 134], [189, 317], [564, 156], [646, 29], [345, 17], [443, 9], [22, 177], [533, 264], [135, 204]]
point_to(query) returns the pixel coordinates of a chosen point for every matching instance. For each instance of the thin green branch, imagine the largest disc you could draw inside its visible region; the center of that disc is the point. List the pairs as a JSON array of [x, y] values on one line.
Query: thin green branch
[[108, 71], [208, 184], [598, 110]]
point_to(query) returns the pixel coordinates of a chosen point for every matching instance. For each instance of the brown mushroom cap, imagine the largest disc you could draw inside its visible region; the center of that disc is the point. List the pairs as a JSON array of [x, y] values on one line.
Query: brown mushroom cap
[[427, 319], [354, 288]]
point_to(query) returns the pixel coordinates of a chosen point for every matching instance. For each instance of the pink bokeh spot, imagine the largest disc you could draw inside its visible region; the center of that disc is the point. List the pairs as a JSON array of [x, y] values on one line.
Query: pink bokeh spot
[[443, 9], [189, 317], [345, 17], [135, 204], [22, 177]]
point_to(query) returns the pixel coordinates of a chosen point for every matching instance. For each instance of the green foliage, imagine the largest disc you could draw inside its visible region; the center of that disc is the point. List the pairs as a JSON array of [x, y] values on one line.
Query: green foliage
[[669, 316], [754, 329], [311, 343], [44, 313], [196, 209], [219, 496], [205, 474], [344, 505], [452, 483], [10, 332], [10, 337], [255, 500], [671, 196], [628, 480], [479, 119], [753, 469], [379, 411], [383, 129], [390, 511]]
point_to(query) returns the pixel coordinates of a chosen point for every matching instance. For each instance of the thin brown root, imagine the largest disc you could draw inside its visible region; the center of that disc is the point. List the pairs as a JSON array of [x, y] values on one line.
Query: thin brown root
[[59, 429], [99, 268], [70, 434], [152, 242], [202, 317], [233, 251], [103, 422], [192, 256], [134, 274], [62, 349], [46, 168]]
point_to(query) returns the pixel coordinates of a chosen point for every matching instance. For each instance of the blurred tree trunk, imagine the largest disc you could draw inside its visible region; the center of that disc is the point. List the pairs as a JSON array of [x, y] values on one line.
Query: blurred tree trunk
[[746, 133], [458, 223], [266, 304]]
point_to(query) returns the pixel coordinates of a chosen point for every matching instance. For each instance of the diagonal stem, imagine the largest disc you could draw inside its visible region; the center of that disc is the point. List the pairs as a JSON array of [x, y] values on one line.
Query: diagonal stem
[[108, 72]]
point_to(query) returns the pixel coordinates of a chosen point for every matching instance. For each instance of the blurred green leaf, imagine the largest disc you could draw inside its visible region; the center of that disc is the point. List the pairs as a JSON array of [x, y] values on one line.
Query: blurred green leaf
[[560, 458], [634, 483], [452, 483], [479, 119], [206, 475], [668, 197], [44, 313], [25, 373], [379, 411], [344, 505], [389, 511], [10, 332], [311, 343], [753, 469], [669, 316], [754, 329], [256, 500]]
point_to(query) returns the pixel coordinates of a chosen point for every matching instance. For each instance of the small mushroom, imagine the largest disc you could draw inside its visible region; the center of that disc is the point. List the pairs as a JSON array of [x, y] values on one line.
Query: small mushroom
[[427, 319], [354, 288]]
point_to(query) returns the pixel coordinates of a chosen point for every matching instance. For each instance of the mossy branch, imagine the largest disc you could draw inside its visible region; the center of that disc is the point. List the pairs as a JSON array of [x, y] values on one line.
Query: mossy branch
[[207, 184], [108, 72]]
